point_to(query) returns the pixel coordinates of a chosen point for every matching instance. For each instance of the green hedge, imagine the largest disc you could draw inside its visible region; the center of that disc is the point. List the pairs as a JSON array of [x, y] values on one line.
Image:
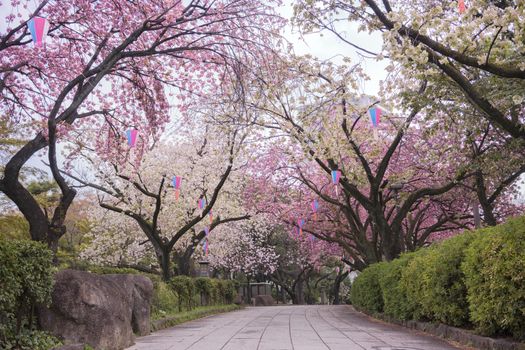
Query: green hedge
[[396, 303], [164, 301], [477, 278], [494, 270], [26, 279], [366, 291], [184, 287], [435, 283], [202, 290]]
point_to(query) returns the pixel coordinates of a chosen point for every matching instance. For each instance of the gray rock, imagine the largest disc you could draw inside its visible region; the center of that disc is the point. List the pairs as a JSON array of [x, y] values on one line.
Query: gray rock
[[100, 310]]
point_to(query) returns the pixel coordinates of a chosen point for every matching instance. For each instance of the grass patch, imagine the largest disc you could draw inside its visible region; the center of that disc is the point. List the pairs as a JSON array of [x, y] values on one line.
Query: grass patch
[[175, 318]]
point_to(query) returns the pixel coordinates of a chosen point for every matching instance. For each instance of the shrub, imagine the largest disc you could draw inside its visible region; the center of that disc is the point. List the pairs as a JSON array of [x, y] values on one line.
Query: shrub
[[220, 290], [185, 289], [435, 282], [494, 269], [230, 291], [204, 287], [26, 278], [164, 300], [109, 270], [30, 340], [366, 290], [395, 301]]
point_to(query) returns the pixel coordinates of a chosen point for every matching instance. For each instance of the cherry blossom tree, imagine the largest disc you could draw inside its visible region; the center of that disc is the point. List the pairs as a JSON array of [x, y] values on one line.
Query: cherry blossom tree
[[110, 66], [115, 240], [394, 192], [171, 221], [471, 60], [301, 258], [244, 247]]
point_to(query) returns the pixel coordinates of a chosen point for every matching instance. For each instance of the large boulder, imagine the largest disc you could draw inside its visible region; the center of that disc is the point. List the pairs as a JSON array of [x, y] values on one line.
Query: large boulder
[[100, 310]]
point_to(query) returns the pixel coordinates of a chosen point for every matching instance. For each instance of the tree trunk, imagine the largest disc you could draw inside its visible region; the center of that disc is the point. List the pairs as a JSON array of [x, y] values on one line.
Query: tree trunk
[[183, 265], [298, 297], [41, 227], [337, 286], [184, 259], [163, 256], [488, 208]]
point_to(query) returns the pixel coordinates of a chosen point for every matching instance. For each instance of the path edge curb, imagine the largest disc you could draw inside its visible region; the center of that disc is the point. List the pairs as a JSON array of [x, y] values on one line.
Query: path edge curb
[[171, 321], [459, 335]]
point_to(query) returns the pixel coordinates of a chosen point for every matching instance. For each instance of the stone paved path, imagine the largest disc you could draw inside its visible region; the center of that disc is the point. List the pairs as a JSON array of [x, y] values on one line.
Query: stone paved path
[[288, 327]]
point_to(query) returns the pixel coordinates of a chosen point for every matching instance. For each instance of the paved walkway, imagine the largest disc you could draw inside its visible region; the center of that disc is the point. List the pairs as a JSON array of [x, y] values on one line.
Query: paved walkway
[[288, 327]]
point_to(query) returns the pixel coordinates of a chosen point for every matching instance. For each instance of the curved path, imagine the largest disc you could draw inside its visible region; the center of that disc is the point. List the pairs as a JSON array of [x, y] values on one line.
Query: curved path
[[319, 327]]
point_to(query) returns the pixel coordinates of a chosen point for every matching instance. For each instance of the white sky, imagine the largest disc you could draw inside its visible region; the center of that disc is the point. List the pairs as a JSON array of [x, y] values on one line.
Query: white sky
[[329, 47]]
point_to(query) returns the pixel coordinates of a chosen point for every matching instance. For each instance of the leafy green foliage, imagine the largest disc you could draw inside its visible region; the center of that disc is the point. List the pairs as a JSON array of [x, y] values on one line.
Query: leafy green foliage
[[206, 288], [14, 227], [396, 304], [476, 277], [107, 270], [366, 291], [210, 291], [26, 277], [198, 312], [30, 340], [184, 287], [434, 282], [165, 300], [203, 285], [229, 290], [494, 270]]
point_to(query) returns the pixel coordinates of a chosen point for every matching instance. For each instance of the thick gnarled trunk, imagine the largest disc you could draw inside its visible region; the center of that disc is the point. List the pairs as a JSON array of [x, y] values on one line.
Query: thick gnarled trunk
[[41, 227]]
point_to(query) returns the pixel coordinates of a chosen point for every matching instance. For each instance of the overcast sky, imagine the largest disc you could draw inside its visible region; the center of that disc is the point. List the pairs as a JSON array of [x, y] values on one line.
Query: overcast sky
[[329, 47]]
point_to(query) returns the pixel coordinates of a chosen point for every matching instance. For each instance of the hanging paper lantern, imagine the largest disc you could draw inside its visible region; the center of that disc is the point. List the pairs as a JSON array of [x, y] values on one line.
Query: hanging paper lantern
[[202, 204], [315, 207], [300, 223], [131, 135], [205, 247], [375, 115], [336, 176], [38, 27], [461, 6], [176, 181]]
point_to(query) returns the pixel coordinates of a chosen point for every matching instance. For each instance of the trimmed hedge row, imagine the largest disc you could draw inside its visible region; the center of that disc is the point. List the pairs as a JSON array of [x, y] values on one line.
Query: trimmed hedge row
[[474, 279], [183, 293], [202, 290]]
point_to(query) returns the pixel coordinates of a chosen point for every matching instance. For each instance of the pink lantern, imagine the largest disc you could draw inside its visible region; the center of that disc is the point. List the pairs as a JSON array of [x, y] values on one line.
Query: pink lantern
[[176, 181], [461, 6], [38, 27], [300, 223], [131, 135]]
